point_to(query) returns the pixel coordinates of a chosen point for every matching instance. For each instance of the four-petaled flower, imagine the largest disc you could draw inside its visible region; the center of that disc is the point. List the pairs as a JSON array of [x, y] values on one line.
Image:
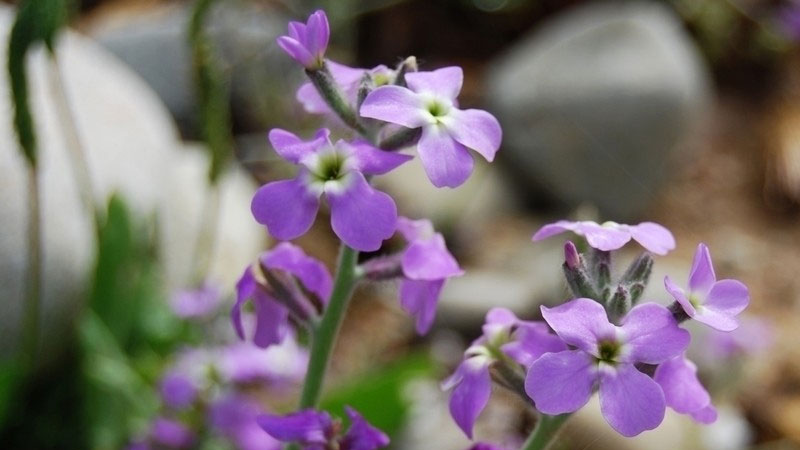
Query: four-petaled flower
[[426, 265], [605, 355], [683, 391], [307, 42], [714, 303], [612, 236], [504, 336], [429, 103], [271, 314], [316, 430], [361, 216]]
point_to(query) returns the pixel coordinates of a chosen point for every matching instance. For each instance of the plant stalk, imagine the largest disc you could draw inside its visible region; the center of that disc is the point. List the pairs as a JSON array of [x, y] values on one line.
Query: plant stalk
[[546, 429]]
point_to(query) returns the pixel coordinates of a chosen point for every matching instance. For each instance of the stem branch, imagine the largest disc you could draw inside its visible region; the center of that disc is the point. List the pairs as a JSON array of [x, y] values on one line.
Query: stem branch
[[546, 429]]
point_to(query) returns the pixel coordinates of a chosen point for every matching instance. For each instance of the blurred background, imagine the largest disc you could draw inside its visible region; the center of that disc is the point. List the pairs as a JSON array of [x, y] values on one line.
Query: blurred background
[[683, 112]]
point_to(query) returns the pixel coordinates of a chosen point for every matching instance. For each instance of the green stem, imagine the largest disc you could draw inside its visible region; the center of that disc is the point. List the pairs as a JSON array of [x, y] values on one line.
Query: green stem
[[325, 333], [35, 260], [330, 92], [546, 429]]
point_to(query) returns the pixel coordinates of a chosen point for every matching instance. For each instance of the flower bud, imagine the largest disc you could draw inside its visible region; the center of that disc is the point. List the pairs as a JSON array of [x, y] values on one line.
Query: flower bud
[[571, 256]]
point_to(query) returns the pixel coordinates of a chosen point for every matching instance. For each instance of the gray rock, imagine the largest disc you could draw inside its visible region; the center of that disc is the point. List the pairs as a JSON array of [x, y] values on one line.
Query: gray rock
[[154, 43], [595, 102]]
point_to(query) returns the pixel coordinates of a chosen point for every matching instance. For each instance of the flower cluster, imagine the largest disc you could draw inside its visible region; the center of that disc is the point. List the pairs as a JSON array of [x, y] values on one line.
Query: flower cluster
[[603, 339], [316, 430]]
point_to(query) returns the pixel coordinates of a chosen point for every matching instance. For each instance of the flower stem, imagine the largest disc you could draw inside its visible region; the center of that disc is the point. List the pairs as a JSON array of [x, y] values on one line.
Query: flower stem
[[35, 261], [324, 335], [330, 92], [546, 429]]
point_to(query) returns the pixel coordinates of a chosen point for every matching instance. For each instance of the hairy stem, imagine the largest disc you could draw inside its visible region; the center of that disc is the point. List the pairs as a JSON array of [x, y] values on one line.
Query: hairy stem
[[328, 89], [324, 334], [546, 429]]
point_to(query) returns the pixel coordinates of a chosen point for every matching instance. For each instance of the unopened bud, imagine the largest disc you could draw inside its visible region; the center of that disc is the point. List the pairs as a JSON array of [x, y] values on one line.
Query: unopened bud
[[571, 256], [383, 267]]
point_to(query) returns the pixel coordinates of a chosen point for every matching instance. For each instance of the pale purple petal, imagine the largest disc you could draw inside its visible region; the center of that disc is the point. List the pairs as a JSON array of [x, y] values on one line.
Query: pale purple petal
[[552, 229], [476, 129], [296, 50], [653, 237], [702, 276], [362, 435], [446, 162], [419, 298], [196, 303], [429, 260], [245, 288], [291, 148], [728, 297], [271, 321], [317, 32], [532, 340], [630, 401], [361, 216], [310, 271], [580, 322], [413, 230], [604, 237], [394, 104], [501, 316], [651, 335], [471, 394], [717, 320], [235, 417], [309, 97], [680, 296], [444, 82], [706, 416], [307, 426], [286, 207], [177, 390], [171, 433], [682, 390], [373, 161], [561, 382]]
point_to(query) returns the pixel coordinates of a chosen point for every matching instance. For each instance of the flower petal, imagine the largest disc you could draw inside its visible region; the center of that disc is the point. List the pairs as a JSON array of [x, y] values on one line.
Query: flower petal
[[310, 271], [362, 435], [561, 382], [291, 148], [317, 32], [630, 401], [286, 207], [580, 322], [429, 260], [394, 104], [373, 161], [471, 394], [715, 319], [296, 50], [361, 216], [604, 237], [652, 335], [728, 297], [706, 416], [445, 82], [702, 276], [552, 229], [682, 390], [307, 427], [653, 237], [419, 298], [476, 129], [245, 288], [531, 341], [446, 162], [680, 296], [271, 321], [413, 230]]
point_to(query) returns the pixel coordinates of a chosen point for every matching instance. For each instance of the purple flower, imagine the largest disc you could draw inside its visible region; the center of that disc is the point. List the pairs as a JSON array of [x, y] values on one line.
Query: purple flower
[[196, 303], [348, 79], [683, 391], [178, 390], [522, 341], [244, 362], [271, 314], [235, 417], [361, 216], [430, 103], [752, 336], [612, 236], [426, 265], [315, 430], [714, 303], [171, 433], [604, 355], [307, 42]]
